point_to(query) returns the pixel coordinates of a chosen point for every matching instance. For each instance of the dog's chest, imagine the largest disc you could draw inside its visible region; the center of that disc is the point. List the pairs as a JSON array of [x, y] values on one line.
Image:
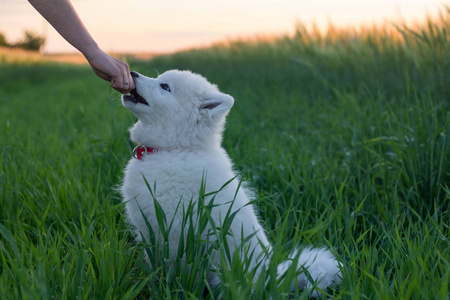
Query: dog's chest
[[172, 176]]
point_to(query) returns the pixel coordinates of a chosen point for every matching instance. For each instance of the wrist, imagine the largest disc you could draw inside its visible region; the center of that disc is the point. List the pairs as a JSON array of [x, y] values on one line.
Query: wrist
[[91, 51]]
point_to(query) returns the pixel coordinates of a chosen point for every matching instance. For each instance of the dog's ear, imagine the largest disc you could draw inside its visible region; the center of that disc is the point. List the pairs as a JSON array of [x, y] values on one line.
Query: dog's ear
[[216, 105]]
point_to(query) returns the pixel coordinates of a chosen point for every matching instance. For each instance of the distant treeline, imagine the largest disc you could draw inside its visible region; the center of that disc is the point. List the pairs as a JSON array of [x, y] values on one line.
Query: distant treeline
[[31, 41]]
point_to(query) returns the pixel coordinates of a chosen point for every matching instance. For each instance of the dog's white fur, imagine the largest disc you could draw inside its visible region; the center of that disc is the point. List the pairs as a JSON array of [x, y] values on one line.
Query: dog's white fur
[[184, 120]]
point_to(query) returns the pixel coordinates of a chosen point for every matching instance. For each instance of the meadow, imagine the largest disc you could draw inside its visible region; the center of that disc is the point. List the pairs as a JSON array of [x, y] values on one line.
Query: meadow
[[344, 137]]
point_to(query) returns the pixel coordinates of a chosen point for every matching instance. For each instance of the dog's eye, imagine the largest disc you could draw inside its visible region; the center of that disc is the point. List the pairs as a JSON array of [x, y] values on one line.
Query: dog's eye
[[165, 86]]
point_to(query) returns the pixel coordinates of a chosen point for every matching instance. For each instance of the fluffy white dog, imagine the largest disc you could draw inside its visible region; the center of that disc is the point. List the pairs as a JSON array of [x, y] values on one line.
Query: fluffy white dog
[[181, 119]]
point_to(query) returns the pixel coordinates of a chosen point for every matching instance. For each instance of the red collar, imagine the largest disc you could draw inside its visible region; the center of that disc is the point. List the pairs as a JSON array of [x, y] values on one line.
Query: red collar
[[140, 151]]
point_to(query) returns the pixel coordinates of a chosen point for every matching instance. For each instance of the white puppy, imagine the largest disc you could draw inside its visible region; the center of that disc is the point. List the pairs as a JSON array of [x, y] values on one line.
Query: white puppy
[[181, 119]]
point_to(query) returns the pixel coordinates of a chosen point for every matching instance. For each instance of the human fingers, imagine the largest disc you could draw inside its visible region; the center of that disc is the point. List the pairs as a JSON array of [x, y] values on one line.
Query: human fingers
[[128, 80], [117, 83], [122, 80], [123, 86]]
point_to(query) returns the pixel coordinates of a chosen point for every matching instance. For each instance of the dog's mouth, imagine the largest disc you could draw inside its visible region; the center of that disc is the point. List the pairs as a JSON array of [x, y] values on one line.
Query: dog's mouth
[[135, 98]]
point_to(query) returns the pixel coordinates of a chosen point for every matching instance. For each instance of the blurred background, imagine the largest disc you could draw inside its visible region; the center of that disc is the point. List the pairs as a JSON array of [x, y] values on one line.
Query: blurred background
[[136, 26]]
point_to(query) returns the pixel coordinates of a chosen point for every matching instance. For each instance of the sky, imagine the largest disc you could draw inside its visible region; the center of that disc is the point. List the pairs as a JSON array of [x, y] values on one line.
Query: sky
[[157, 26]]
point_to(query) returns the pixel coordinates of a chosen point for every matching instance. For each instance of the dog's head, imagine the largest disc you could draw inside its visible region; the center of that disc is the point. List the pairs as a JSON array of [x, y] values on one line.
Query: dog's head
[[178, 109]]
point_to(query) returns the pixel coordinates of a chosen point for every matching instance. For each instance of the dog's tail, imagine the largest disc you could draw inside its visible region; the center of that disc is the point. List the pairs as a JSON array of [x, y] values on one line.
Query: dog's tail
[[317, 267]]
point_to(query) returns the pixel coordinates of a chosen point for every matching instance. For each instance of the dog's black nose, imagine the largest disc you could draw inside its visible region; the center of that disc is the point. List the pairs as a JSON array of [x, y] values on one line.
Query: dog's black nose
[[134, 74]]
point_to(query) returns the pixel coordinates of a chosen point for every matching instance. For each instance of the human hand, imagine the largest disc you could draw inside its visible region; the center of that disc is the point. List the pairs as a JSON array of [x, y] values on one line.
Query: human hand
[[111, 69]]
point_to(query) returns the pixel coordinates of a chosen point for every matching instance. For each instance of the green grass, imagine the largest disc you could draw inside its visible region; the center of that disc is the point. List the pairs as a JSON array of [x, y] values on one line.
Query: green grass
[[344, 138]]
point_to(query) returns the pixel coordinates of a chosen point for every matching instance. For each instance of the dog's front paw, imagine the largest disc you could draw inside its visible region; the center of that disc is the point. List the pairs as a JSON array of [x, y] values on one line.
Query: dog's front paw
[[321, 270]]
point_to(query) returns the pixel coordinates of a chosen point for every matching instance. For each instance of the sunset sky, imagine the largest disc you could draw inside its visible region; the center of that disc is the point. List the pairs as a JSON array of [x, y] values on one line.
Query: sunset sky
[[166, 26]]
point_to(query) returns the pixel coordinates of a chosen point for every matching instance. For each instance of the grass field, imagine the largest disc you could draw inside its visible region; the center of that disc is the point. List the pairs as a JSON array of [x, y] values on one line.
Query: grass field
[[344, 136]]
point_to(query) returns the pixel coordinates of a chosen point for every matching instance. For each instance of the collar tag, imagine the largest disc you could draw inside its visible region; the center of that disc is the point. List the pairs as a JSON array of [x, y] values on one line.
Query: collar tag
[[140, 151]]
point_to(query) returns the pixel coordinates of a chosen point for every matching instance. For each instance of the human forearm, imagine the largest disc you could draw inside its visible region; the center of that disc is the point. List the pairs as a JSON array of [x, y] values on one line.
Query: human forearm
[[62, 16]]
